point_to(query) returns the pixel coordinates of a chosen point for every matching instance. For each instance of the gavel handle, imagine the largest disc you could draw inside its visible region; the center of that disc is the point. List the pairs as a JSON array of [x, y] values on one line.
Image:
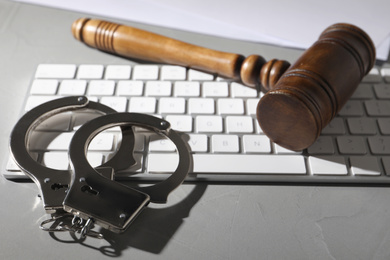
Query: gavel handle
[[135, 43]]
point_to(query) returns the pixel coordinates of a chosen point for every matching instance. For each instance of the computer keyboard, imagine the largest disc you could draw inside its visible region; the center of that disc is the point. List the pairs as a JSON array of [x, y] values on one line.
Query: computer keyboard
[[217, 119]]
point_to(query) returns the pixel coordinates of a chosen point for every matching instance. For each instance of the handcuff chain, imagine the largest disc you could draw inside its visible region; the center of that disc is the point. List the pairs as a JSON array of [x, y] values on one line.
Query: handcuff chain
[[77, 225]]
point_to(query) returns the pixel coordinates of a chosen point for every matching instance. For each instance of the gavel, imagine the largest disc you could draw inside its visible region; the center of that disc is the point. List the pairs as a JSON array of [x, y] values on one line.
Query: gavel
[[300, 100]]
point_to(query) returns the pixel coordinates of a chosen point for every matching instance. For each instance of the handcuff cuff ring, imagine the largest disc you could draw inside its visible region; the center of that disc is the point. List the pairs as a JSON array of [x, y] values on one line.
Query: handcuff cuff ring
[[108, 203], [54, 183]]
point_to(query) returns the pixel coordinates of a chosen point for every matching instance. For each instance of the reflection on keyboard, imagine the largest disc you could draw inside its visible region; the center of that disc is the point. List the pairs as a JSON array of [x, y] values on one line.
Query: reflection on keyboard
[[217, 119]]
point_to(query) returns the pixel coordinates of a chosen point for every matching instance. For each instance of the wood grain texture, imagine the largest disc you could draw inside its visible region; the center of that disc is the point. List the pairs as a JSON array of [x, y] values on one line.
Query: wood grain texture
[[312, 91]]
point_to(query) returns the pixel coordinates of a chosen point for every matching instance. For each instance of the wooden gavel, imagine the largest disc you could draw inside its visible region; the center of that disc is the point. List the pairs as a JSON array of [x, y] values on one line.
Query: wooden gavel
[[301, 99]]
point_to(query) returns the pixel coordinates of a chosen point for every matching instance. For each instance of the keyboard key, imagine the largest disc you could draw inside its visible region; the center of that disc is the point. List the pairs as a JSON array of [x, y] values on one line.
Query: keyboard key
[[197, 142], [385, 71], [119, 104], [187, 89], [161, 144], [363, 91], [61, 141], [256, 144], [329, 165], [130, 88], [352, 108], [57, 141], [351, 145], [323, 145], [198, 75], [382, 91], [378, 107], [251, 106], [102, 142], [210, 124], [95, 159], [201, 106], [56, 160], [173, 73], [384, 125], [336, 126], [147, 72], [73, 87], [142, 105], [118, 72], [90, 72], [364, 165], [215, 89], [373, 76], [59, 160], [182, 123], [225, 143], [228, 163], [158, 88], [230, 106], [239, 124], [379, 144], [386, 74], [62, 71], [172, 105], [101, 88], [282, 150], [362, 125], [44, 87], [239, 90]]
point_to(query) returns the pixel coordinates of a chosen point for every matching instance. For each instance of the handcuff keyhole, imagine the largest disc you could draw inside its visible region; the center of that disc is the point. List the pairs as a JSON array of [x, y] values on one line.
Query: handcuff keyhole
[[89, 190], [58, 186]]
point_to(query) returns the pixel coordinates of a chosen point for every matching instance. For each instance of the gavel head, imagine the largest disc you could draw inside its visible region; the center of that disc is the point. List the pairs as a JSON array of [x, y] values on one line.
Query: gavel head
[[312, 91]]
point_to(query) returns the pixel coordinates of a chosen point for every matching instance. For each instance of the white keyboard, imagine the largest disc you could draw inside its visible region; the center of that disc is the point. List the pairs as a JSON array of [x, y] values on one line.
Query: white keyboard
[[217, 119]]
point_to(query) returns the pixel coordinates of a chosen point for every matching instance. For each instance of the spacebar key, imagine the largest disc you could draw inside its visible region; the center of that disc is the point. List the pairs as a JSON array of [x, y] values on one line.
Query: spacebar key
[[232, 163]]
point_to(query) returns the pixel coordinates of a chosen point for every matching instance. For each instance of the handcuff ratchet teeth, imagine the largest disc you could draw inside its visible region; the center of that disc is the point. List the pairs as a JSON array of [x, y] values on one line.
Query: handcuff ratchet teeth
[[88, 193]]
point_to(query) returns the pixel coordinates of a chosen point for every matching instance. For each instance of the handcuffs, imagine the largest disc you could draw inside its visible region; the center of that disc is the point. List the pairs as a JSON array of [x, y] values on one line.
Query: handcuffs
[[91, 195]]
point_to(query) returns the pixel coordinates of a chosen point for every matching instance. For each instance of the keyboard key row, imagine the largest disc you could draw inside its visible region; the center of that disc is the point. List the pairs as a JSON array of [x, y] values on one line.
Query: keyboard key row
[[359, 145], [166, 105], [144, 72], [231, 163], [358, 126], [222, 163], [367, 91], [372, 107], [107, 142], [275, 164], [148, 104], [254, 164], [227, 164], [165, 72], [95, 87], [219, 143]]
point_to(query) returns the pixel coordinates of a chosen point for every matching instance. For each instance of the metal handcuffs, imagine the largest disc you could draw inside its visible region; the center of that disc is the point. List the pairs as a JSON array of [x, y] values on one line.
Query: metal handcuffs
[[89, 193]]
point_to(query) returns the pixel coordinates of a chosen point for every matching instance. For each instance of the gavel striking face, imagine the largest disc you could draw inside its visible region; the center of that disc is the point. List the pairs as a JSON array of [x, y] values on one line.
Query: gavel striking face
[[300, 100]]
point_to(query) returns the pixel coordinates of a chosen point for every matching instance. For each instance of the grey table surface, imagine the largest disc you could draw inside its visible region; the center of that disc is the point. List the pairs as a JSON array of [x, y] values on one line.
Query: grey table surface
[[201, 220]]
